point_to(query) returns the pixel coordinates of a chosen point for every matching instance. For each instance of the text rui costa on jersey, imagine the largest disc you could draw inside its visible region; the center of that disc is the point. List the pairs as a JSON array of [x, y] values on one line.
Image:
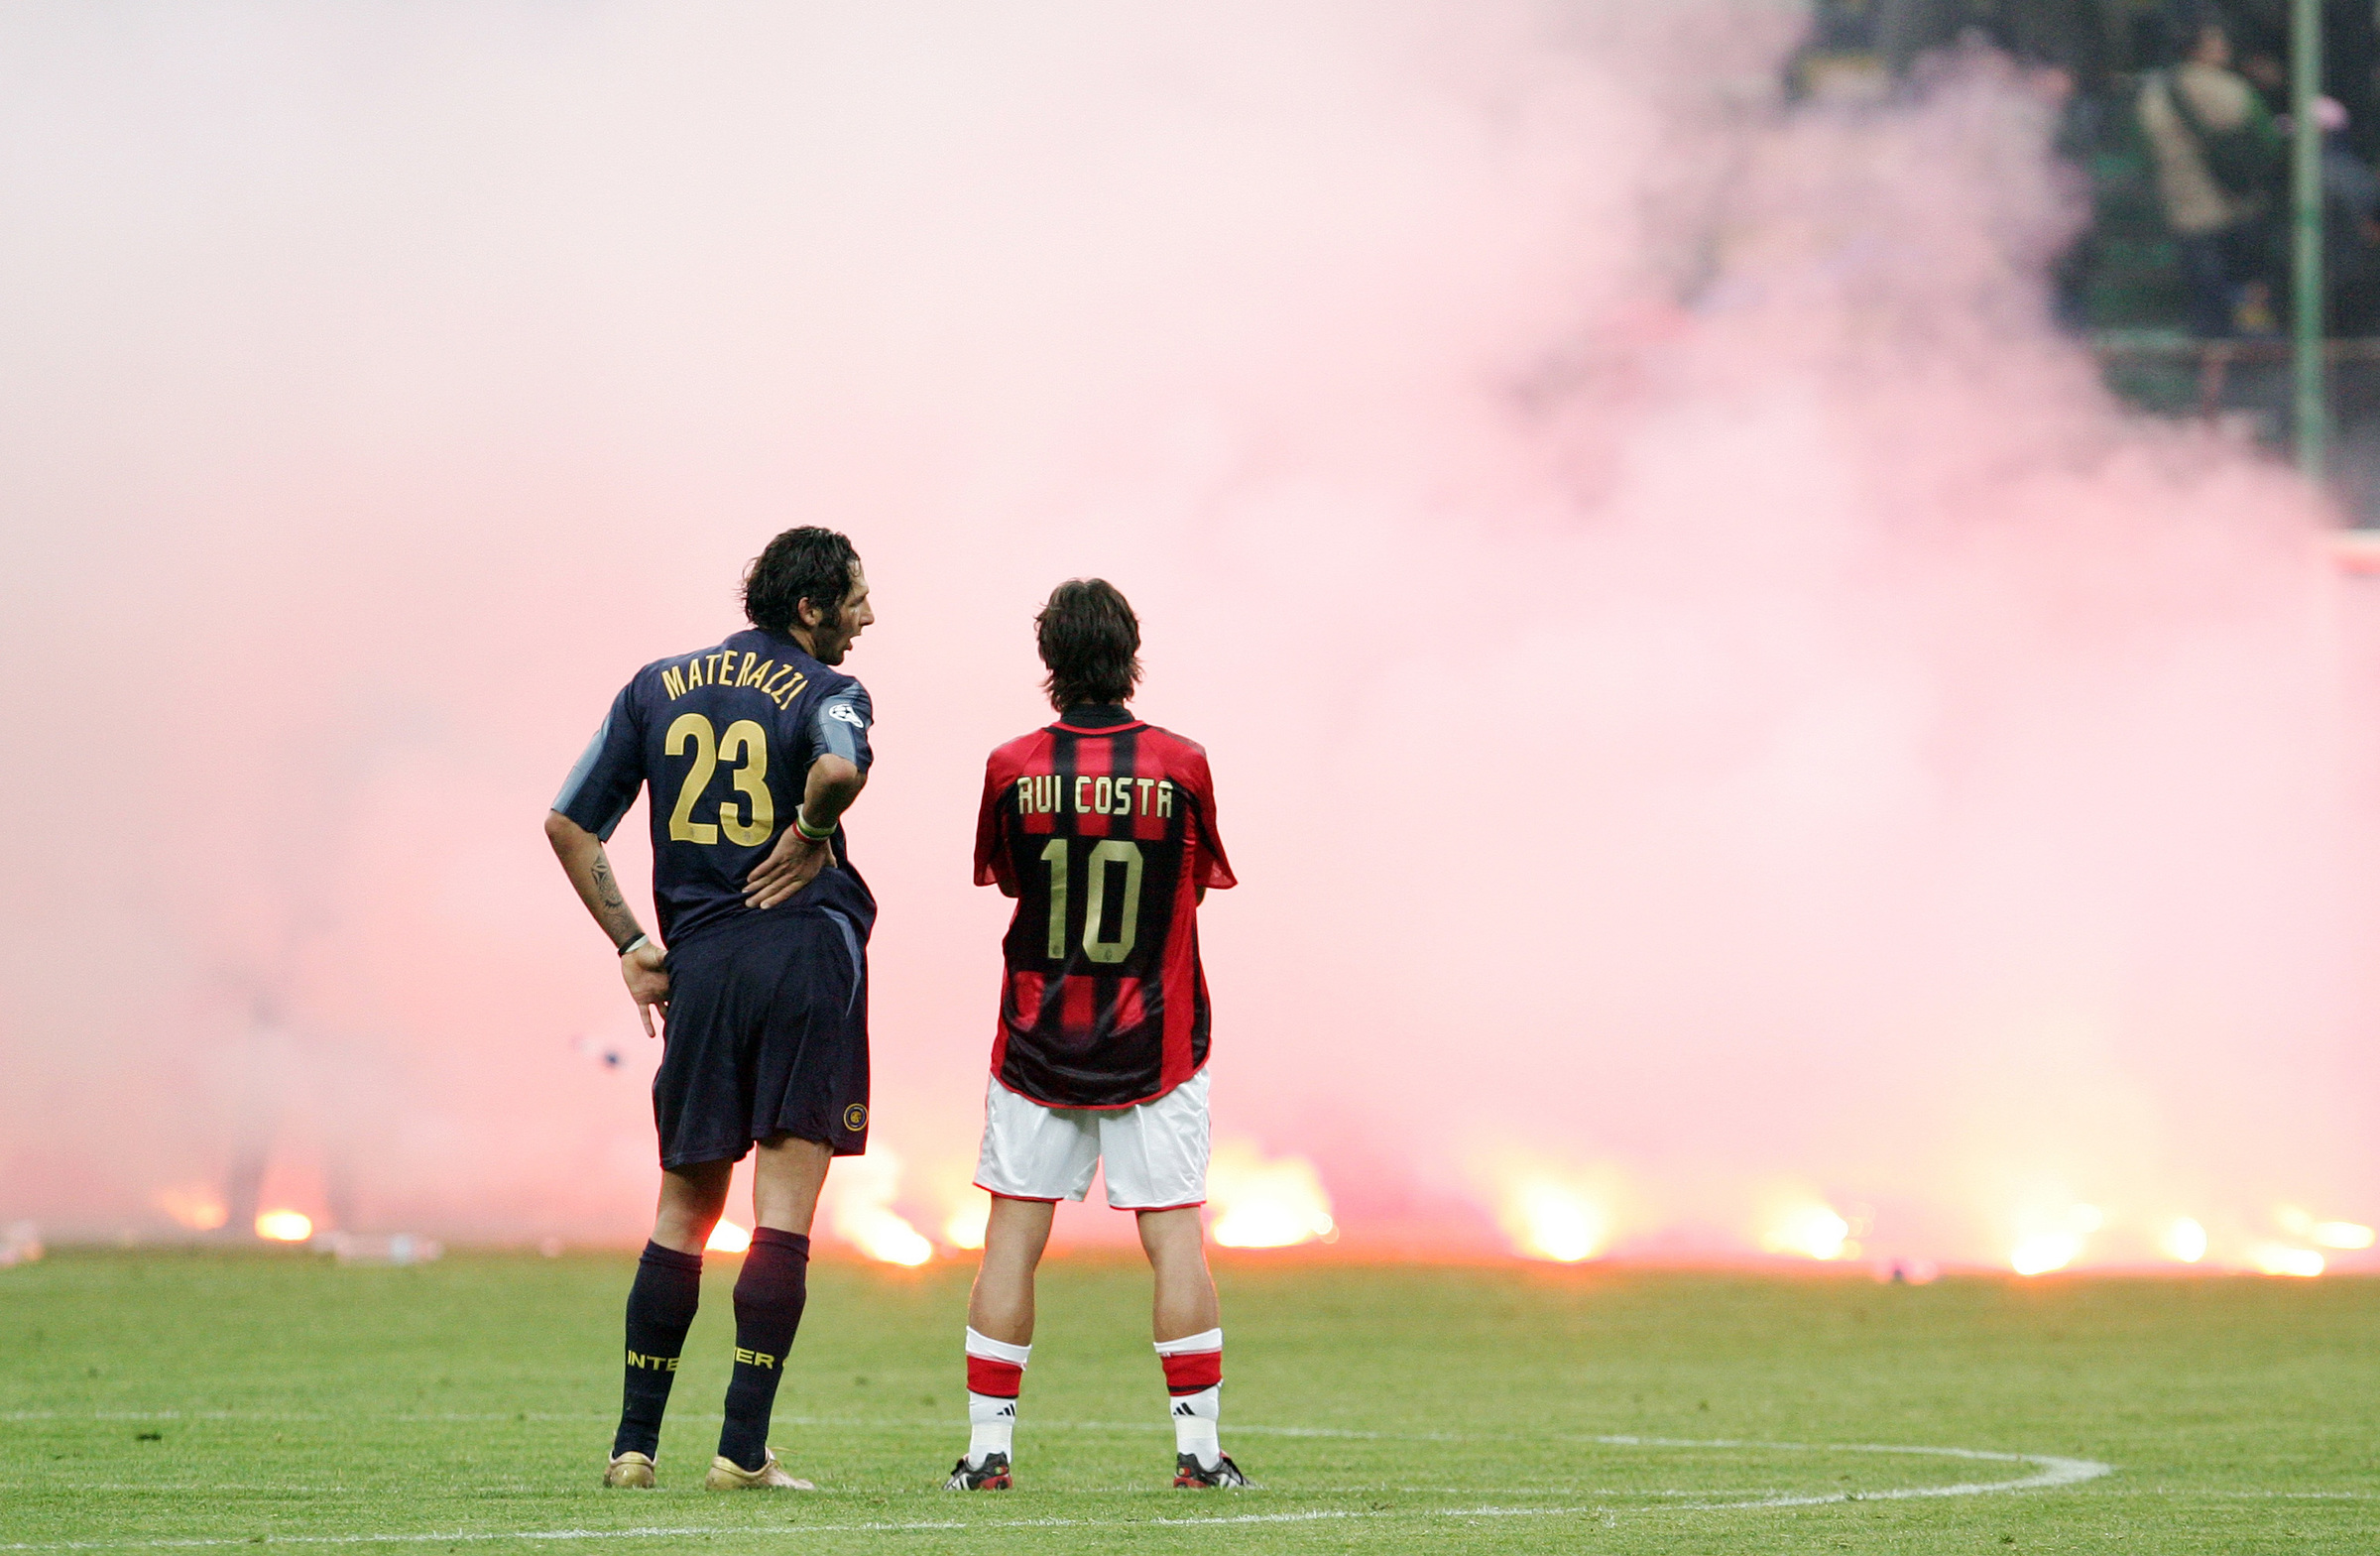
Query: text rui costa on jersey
[[1100, 797]]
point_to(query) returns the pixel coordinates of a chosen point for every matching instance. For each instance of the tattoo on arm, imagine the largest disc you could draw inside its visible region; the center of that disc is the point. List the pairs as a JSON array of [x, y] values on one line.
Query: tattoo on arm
[[611, 909], [605, 885]]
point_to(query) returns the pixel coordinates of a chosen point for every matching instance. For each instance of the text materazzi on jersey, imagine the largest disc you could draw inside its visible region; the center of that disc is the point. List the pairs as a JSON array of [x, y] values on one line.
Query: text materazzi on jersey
[[779, 685]]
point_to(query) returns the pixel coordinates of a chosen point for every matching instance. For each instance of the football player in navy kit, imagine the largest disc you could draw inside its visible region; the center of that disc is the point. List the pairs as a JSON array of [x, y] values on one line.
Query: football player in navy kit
[[752, 749]]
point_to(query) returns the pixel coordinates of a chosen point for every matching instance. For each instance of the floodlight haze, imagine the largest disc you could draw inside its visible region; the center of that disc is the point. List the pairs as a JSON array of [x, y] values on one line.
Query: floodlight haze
[[1725, 728]]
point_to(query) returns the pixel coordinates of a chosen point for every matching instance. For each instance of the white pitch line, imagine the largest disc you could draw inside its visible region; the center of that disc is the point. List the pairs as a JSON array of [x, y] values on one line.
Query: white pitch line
[[2053, 1471], [2187, 1491], [941, 1424]]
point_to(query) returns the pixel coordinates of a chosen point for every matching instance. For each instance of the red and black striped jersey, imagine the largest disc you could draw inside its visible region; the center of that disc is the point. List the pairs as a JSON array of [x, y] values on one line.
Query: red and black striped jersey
[[1102, 828]]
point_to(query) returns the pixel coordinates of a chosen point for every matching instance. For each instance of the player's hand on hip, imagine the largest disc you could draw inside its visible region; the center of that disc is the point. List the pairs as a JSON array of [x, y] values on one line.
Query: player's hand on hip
[[793, 864], [647, 984]]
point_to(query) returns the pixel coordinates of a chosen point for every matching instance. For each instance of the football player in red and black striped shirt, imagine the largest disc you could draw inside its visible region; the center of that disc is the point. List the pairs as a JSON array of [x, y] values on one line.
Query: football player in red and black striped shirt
[[1102, 827]]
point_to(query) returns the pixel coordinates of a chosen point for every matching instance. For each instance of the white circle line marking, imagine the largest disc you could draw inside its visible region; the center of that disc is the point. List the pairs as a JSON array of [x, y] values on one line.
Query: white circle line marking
[[2051, 1470]]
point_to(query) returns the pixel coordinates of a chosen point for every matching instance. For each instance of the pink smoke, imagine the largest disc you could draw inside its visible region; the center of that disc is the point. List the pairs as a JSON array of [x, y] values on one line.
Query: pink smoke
[[1711, 701]]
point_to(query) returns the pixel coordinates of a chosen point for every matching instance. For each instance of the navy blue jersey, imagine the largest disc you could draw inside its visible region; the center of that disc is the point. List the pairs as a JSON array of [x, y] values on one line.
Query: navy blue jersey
[[725, 737]]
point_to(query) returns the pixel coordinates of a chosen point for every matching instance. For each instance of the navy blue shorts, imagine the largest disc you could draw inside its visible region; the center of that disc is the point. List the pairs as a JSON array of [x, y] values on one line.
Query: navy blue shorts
[[767, 1035]]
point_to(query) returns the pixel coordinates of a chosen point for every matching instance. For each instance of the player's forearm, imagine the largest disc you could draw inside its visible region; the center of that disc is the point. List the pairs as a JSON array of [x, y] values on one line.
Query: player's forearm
[[832, 786], [590, 870]]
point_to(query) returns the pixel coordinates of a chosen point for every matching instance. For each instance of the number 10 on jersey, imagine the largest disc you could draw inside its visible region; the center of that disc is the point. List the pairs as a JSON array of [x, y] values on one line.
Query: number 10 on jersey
[[1105, 854]]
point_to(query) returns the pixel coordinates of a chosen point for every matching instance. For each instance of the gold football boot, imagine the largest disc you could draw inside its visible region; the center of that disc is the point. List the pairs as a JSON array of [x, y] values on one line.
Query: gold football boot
[[727, 1475], [630, 1472]]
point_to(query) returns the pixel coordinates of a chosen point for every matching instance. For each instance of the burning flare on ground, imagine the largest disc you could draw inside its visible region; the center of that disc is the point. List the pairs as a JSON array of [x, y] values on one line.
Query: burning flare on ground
[[1812, 1229], [728, 1238], [966, 1224], [2055, 1243], [2274, 1259], [1266, 1204], [193, 1205], [1547, 1218], [285, 1226], [2184, 1239], [858, 1207], [2348, 1234]]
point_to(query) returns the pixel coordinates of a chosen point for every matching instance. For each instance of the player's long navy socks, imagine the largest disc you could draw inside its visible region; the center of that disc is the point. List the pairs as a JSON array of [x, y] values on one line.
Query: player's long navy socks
[[660, 1307], [769, 1300]]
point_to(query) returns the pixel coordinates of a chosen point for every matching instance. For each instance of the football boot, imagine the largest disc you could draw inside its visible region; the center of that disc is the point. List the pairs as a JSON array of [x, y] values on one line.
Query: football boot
[[630, 1472], [1187, 1471], [990, 1476], [727, 1475]]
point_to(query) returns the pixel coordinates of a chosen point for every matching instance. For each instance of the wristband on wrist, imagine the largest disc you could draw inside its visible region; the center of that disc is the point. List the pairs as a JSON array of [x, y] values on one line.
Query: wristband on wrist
[[633, 944], [801, 824]]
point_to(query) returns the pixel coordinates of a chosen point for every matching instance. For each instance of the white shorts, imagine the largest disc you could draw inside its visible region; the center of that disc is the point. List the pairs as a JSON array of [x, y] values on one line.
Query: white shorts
[[1157, 1152]]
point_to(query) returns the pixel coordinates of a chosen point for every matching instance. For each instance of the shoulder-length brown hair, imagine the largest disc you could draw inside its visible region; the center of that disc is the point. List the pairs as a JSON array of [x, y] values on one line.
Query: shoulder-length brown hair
[[1090, 642]]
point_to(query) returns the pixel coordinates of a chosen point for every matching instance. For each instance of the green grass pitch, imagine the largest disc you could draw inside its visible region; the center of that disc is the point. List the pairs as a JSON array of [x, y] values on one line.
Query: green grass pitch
[[171, 1400]]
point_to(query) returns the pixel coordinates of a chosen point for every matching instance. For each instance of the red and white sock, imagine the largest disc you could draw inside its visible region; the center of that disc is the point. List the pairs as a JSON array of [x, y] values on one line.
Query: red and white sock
[[1194, 1376], [995, 1377]]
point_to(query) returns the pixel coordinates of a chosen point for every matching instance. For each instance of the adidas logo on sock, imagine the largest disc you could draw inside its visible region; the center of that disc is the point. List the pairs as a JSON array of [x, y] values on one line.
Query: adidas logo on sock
[[1181, 1407], [1008, 1409]]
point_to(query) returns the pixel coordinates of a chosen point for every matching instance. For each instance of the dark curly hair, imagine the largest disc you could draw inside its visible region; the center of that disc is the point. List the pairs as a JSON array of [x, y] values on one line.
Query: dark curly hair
[[2185, 23], [1091, 641], [807, 563]]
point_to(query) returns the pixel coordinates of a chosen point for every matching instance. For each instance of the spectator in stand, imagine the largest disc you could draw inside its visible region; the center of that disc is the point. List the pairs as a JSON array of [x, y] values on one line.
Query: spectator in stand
[[2268, 72], [2219, 164], [2351, 227]]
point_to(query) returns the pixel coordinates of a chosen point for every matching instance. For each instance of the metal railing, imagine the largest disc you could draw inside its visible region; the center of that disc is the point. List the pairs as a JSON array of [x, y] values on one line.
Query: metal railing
[[2215, 360]]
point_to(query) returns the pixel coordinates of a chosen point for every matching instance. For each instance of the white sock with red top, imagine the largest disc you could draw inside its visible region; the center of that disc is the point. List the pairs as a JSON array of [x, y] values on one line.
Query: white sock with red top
[[995, 1377], [1194, 1376]]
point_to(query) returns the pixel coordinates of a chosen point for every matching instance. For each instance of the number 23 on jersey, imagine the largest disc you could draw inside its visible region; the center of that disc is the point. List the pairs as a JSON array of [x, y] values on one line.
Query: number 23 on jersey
[[743, 749]]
